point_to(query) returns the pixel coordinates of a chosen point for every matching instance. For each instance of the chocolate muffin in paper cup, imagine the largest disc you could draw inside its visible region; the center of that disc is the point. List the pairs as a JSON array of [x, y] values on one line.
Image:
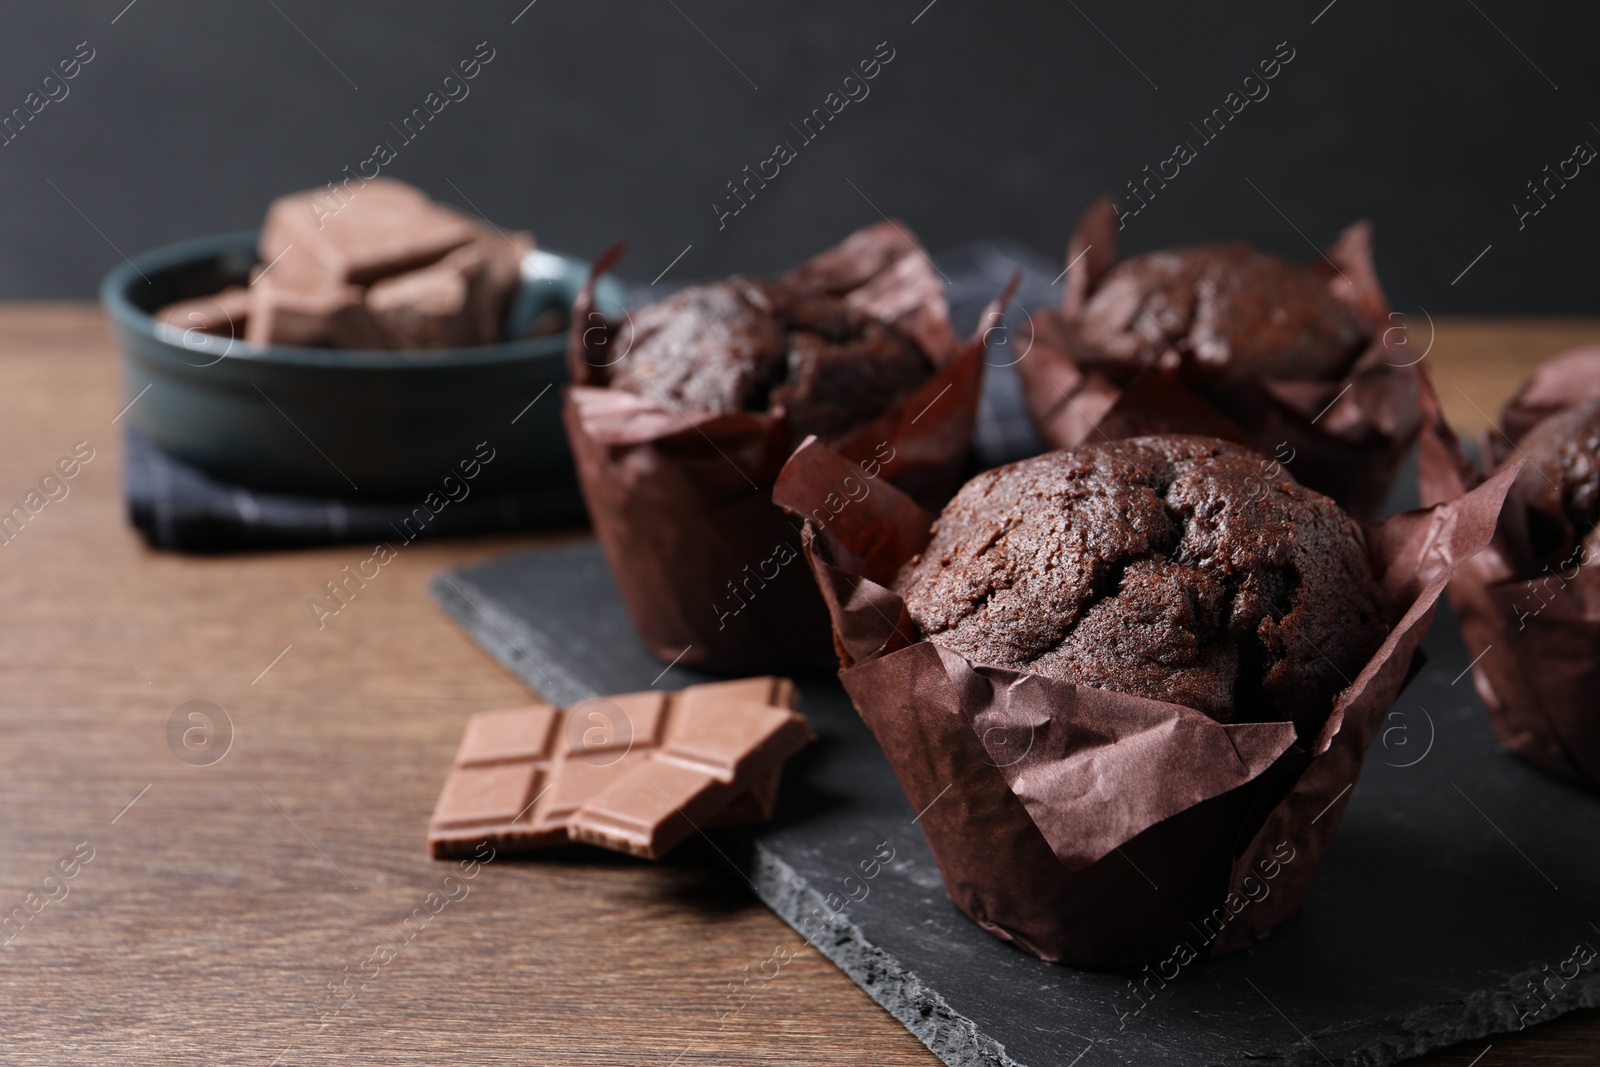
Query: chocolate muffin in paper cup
[[1305, 362], [1097, 822], [1529, 604], [682, 413]]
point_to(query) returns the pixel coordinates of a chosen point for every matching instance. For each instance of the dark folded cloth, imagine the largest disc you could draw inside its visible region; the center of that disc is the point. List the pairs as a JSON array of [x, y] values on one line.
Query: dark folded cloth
[[177, 506], [181, 507]]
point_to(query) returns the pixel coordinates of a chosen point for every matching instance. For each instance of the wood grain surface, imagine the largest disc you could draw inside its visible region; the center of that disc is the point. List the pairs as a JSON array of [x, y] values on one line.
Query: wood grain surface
[[1477, 364], [224, 903]]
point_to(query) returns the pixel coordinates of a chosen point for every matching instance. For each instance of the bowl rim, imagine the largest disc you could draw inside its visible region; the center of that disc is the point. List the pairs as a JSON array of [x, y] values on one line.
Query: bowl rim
[[119, 282]]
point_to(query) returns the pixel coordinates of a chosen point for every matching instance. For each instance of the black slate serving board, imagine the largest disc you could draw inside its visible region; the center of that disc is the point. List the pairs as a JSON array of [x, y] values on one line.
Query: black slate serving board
[[1459, 875]]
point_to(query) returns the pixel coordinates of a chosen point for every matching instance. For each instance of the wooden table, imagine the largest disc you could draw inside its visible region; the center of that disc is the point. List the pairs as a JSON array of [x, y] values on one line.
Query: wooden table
[[223, 903]]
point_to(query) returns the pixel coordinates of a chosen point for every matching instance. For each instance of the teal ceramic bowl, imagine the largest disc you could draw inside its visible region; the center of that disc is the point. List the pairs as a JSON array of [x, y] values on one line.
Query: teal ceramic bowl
[[338, 422]]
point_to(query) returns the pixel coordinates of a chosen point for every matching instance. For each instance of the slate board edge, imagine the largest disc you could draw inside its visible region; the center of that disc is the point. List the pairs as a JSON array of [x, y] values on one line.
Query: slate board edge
[[507, 639], [1487, 1013], [953, 1037]]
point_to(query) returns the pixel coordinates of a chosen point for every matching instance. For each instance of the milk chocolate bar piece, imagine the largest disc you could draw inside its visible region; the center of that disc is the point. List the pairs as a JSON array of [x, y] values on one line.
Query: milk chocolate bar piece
[[755, 804], [358, 233], [649, 810], [221, 313], [525, 778], [286, 312], [718, 746], [564, 756]]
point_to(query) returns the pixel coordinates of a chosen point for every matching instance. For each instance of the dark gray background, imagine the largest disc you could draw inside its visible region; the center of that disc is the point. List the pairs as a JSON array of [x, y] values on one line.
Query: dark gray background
[[605, 120]]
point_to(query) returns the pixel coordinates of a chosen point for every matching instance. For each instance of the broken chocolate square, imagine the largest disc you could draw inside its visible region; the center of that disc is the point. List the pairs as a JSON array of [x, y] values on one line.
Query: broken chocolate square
[[637, 772]]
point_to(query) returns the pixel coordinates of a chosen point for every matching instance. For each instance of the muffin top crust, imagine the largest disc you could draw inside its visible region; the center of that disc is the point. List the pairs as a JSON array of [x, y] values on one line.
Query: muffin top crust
[[1164, 567], [1226, 309]]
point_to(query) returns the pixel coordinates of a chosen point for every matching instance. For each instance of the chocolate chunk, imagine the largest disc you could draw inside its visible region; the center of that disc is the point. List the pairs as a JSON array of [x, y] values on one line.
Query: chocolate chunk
[[506, 736], [495, 794], [223, 314], [431, 307], [491, 266], [457, 301], [491, 298], [287, 312], [755, 804], [637, 772], [717, 745], [437, 278], [358, 234]]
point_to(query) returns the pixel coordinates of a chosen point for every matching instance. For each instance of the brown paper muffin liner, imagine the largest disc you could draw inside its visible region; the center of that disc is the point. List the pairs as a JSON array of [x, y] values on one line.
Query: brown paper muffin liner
[[1091, 827], [681, 501], [1532, 623], [1347, 437]]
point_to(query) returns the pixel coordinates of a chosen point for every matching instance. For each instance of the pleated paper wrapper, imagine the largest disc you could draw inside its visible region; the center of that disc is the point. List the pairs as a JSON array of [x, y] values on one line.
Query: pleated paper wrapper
[[1348, 437], [1090, 827], [681, 501], [1532, 622]]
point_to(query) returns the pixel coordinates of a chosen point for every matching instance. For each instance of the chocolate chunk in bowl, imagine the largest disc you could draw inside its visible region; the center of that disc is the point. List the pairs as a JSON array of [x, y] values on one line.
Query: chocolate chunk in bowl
[[1056, 798], [450, 349], [375, 266]]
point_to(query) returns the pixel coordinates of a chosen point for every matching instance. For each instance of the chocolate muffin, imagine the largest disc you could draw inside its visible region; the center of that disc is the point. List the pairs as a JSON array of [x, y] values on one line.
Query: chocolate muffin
[[1164, 567], [1224, 309], [1561, 483], [749, 345]]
